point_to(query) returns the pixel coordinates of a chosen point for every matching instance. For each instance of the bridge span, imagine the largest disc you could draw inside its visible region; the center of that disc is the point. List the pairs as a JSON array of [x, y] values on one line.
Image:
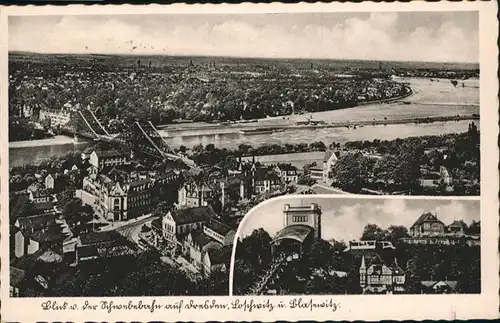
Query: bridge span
[[140, 137]]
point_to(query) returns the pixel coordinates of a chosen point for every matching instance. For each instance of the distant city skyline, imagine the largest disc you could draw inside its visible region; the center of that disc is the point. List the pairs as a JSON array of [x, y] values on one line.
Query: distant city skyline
[[392, 36], [345, 218]]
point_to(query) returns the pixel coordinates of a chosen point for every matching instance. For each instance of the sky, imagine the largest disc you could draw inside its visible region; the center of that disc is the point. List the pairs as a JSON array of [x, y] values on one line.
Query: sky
[[396, 36], [345, 218]]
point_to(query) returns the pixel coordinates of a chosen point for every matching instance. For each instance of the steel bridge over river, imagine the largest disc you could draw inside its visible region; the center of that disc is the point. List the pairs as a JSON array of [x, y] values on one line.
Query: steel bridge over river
[[140, 137]]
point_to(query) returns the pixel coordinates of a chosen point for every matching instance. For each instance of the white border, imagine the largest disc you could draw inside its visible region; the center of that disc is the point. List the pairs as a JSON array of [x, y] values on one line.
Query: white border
[[353, 307]]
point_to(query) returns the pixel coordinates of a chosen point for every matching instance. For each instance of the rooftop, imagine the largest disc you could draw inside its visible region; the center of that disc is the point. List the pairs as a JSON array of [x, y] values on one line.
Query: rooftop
[[192, 215], [108, 153], [99, 237], [297, 232], [218, 227], [221, 255], [200, 239], [37, 221], [426, 217]]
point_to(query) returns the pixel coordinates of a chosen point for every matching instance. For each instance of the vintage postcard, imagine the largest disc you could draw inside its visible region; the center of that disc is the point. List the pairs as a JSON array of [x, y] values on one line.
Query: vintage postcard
[[257, 162]]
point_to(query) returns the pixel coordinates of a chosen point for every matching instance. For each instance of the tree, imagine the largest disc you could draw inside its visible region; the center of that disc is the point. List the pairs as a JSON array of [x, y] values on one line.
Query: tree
[[396, 232], [75, 213], [413, 284], [374, 232], [258, 248], [407, 172], [19, 207], [306, 180], [351, 172], [244, 276]]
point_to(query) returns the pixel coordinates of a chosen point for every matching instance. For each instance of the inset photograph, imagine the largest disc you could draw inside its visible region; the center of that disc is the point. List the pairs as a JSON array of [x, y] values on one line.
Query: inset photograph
[[359, 245]]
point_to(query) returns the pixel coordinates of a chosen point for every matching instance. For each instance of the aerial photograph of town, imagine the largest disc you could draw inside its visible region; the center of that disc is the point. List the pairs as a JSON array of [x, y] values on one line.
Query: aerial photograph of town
[[137, 146], [338, 245]]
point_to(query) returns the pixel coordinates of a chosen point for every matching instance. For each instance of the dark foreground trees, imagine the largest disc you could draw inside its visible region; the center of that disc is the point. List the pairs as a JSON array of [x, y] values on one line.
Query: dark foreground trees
[[327, 269], [127, 275]]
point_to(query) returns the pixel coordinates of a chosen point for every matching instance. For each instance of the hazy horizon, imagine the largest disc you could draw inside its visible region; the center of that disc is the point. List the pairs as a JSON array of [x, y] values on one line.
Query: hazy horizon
[[434, 37], [237, 57]]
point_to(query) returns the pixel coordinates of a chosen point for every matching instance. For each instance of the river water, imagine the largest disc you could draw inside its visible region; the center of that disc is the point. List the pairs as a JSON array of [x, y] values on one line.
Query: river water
[[430, 98]]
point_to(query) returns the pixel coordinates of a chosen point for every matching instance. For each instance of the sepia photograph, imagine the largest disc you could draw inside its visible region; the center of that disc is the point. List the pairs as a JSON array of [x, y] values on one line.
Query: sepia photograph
[[187, 158], [136, 155], [339, 245]]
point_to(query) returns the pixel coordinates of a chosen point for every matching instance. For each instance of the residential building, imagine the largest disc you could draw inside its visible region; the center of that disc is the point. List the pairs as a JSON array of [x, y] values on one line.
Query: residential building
[[194, 195], [176, 225], [219, 232], [35, 222], [317, 173], [255, 180], [377, 277], [217, 260], [323, 172], [101, 244], [120, 195], [31, 239], [58, 118], [287, 173], [107, 158], [457, 227], [196, 244], [330, 159], [38, 194], [426, 225]]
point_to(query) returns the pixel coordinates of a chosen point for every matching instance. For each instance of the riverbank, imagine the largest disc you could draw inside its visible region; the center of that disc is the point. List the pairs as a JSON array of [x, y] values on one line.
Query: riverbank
[[384, 122], [194, 126], [55, 140]]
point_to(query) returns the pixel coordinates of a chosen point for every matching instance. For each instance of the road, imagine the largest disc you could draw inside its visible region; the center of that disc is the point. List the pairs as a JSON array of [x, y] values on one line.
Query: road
[[132, 230]]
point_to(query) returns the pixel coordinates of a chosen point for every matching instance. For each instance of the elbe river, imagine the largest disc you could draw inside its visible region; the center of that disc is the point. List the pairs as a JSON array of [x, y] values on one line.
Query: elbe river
[[431, 98]]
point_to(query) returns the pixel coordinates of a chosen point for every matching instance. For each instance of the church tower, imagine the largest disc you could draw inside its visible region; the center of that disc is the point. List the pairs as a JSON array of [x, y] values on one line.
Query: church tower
[[362, 273]]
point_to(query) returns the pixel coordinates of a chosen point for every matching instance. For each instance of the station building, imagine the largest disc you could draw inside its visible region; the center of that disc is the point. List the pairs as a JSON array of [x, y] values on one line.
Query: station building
[[301, 227]]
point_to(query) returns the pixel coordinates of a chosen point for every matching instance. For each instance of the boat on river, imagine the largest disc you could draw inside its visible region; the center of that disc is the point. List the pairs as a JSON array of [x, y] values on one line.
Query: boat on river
[[260, 131]]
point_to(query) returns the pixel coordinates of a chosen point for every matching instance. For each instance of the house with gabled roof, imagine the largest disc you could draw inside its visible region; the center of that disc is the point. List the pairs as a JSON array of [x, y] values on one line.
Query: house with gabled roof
[[216, 259], [30, 240], [287, 172], [196, 244], [457, 227], [35, 222], [377, 277], [427, 225], [177, 224], [38, 194], [256, 179], [219, 231], [193, 194]]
